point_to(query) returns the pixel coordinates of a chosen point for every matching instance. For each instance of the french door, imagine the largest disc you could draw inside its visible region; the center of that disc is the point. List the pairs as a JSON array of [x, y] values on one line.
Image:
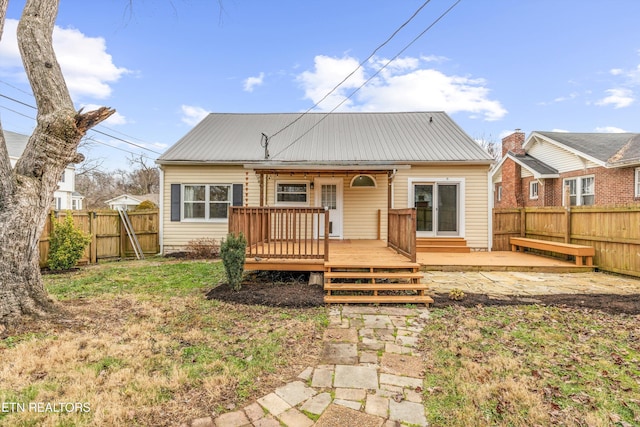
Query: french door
[[437, 209]]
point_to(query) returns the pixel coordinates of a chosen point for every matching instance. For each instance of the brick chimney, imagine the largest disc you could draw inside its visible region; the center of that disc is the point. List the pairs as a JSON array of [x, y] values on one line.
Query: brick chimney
[[511, 171], [513, 143]]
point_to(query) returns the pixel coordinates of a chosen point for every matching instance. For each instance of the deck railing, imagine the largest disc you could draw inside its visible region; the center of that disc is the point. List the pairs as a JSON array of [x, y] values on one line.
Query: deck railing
[[297, 233], [402, 232]]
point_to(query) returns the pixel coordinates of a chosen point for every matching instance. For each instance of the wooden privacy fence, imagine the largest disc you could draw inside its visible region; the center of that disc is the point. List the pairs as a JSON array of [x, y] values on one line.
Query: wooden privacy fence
[[402, 232], [298, 233], [614, 232], [108, 236]]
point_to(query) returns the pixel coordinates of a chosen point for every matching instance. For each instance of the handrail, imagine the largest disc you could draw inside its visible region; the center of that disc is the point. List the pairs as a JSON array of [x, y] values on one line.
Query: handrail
[[402, 232], [282, 232]]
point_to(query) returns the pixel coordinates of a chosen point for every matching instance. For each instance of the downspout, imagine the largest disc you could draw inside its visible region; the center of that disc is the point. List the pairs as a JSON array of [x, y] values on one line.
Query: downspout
[[490, 210], [161, 211]]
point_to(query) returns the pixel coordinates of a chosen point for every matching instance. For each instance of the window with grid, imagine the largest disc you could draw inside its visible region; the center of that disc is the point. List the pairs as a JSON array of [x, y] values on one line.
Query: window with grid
[[206, 201], [587, 194], [637, 182]]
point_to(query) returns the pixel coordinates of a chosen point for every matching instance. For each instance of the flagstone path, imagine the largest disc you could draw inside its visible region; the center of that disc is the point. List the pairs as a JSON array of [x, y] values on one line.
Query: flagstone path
[[370, 373]]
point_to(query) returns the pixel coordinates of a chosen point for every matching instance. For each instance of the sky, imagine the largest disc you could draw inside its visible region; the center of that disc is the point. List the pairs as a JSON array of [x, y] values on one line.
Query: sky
[[493, 65]]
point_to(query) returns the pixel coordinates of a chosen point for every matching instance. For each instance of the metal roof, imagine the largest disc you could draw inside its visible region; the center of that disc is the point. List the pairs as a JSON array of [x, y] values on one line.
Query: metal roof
[[612, 149], [16, 143], [320, 138]]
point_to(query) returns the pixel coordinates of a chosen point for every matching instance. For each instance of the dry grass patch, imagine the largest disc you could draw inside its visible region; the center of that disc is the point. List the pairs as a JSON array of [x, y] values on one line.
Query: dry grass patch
[[140, 345], [531, 366]]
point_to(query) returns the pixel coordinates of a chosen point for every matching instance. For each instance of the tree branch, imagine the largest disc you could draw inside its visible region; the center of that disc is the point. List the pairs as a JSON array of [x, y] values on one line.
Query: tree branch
[[7, 183]]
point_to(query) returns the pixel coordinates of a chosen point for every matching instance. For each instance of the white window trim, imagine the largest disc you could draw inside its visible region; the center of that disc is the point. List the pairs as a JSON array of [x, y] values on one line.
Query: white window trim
[[461, 201], [637, 186], [579, 188], [207, 202], [284, 181], [533, 184], [499, 193]]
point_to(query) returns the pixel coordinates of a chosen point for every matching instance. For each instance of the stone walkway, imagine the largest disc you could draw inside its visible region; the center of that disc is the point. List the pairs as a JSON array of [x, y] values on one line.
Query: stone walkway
[[369, 375]]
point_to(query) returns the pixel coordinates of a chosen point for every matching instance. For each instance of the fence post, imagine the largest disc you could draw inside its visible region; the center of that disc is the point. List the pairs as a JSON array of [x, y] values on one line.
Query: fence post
[[523, 222], [93, 246], [567, 232]]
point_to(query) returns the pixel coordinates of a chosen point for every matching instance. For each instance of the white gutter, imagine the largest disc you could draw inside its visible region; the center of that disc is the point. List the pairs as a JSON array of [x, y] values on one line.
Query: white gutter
[[490, 209]]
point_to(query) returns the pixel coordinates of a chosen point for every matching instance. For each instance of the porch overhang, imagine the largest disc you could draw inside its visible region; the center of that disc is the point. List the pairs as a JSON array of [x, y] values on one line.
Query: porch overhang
[[323, 168]]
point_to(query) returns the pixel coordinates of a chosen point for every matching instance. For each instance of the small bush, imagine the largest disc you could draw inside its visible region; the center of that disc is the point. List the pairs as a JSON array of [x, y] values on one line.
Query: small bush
[[203, 248], [232, 252], [66, 243], [456, 294], [145, 206]]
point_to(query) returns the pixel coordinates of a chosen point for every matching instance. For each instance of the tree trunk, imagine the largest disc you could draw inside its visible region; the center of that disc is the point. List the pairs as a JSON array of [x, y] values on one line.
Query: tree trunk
[[26, 193]]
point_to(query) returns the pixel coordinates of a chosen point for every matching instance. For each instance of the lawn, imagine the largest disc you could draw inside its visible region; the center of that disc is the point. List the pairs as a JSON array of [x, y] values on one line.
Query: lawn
[[137, 343], [532, 365]]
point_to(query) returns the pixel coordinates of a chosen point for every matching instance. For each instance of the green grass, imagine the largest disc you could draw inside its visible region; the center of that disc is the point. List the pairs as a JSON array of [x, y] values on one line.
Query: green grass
[[531, 365], [138, 339]]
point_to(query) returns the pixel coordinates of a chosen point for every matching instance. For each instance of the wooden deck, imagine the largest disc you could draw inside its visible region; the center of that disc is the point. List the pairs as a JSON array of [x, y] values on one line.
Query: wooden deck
[[497, 261]]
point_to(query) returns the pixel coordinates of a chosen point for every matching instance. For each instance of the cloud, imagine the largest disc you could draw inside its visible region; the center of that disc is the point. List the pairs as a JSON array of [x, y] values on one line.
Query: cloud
[[407, 84], [87, 67], [609, 129], [619, 98], [192, 115], [252, 82]]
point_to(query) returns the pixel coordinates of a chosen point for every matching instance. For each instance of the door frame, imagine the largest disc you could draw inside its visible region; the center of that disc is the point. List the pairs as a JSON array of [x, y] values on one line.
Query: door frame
[[338, 214], [460, 182]]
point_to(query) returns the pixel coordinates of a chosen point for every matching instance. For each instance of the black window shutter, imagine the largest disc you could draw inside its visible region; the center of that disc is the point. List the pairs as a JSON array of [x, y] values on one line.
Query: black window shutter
[[175, 202], [237, 195]]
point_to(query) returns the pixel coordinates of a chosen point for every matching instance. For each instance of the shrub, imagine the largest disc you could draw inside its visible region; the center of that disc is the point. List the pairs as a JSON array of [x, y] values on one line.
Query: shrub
[[145, 206], [232, 252], [66, 243], [203, 248]]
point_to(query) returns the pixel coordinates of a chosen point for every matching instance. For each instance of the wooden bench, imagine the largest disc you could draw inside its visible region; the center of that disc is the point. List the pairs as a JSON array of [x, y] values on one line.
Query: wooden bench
[[579, 251]]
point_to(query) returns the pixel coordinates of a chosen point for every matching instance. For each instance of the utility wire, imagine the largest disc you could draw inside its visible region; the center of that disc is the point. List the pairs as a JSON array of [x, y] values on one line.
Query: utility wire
[[355, 70], [92, 130], [369, 79]]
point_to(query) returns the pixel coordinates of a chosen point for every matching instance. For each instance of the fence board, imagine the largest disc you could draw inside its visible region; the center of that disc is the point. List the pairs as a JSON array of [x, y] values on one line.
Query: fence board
[[613, 232], [106, 231]]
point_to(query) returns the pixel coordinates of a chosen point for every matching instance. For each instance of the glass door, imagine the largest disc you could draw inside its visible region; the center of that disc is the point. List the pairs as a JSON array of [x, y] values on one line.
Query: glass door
[[437, 208]]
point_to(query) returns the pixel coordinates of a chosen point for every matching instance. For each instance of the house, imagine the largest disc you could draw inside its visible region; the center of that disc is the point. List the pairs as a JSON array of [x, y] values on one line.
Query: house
[[65, 197], [128, 202], [357, 167], [567, 169]]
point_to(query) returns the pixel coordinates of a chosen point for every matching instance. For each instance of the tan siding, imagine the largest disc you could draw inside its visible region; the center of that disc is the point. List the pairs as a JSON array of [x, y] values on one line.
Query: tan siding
[[361, 207], [476, 200], [176, 235]]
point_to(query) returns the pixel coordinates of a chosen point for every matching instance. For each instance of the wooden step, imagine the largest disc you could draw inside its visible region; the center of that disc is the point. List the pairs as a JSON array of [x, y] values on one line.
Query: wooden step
[[371, 275], [445, 249], [373, 265], [378, 299], [441, 241], [376, 287]]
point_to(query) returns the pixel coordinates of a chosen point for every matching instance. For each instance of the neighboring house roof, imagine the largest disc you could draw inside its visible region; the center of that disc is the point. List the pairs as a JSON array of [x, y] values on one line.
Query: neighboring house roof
[[538, 168], [606, 149], [16, 143], [331, 139], [128, 199]]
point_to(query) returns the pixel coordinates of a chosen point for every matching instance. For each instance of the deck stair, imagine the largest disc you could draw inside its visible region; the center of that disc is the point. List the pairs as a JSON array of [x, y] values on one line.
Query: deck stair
[[442, 244], [357, 283]]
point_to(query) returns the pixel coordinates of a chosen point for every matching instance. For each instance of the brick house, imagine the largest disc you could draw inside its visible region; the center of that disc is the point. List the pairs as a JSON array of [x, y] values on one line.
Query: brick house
[[561, 169]]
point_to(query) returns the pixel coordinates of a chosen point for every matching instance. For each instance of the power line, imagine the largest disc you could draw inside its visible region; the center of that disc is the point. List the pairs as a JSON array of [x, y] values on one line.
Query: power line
[[369, 79], [356, 69], [92, 130]]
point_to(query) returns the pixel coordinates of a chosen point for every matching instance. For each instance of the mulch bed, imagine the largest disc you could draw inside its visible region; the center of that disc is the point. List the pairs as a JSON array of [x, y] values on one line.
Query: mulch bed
[[291, 289]]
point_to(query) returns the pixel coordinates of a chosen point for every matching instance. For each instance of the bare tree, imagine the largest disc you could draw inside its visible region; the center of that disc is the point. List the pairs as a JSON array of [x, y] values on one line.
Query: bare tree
[[491, 146], [144, 178], [26, 191]]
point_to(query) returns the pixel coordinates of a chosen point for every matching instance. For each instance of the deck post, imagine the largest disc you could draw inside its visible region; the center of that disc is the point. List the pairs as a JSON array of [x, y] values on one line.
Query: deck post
[[326, 235]]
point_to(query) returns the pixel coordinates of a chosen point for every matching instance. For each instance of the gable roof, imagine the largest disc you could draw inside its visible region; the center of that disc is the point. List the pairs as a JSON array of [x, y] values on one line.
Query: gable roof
[[16, 143], [332, 139], [605, 149]]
